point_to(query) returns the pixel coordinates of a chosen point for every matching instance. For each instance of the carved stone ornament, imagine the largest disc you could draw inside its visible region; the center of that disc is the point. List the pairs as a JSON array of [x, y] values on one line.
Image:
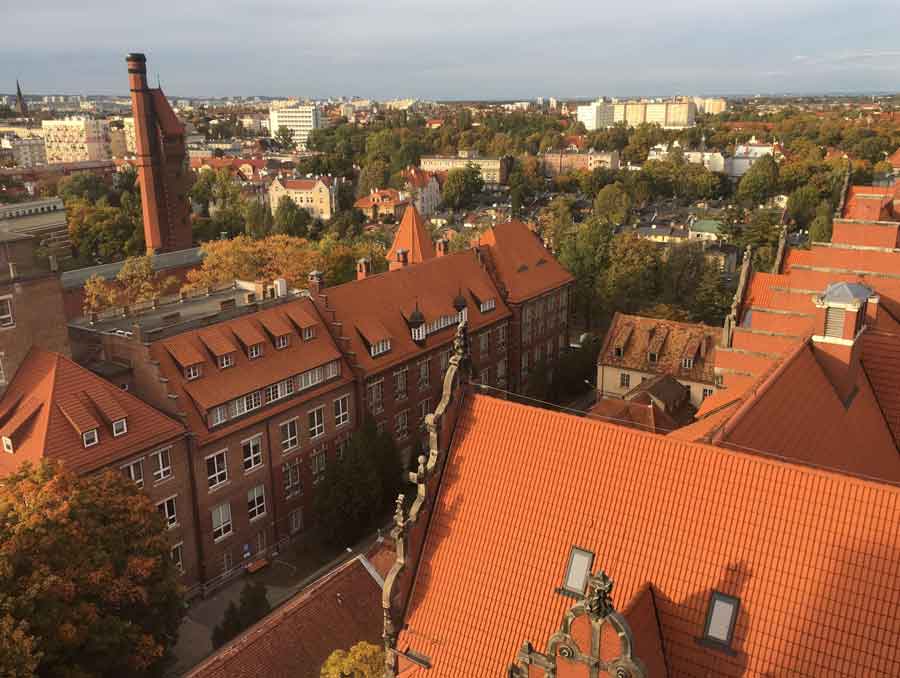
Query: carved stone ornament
[[598, 600]]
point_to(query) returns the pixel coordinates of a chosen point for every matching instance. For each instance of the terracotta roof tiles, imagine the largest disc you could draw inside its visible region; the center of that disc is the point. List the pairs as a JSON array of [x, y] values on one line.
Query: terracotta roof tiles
[[881, 361], [413, 237]]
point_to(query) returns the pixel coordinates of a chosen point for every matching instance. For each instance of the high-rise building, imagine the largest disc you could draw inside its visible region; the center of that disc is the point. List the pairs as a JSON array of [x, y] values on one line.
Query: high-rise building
[[300, 120], [161, 163], [27, 152], [76, 139], [596, 115]]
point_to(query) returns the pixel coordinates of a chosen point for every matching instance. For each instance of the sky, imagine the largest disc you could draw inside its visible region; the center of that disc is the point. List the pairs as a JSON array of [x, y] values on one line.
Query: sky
[[461, 49]]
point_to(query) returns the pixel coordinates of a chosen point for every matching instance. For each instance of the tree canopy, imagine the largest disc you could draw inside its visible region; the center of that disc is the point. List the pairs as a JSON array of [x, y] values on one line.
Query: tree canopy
[[462, 186], [363, 660]]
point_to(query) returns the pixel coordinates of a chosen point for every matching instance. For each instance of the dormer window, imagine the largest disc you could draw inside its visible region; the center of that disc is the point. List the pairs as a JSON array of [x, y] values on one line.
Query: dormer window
[[120, 427], [652, 357], [7, 445], [380, 347], [617, 351], [419, 333], [192, 372], [309, 333], [90, 438], [226, 361], [254, 351], [283, 341], [687, 363], [577, 572], [488, 305], [720, 619]]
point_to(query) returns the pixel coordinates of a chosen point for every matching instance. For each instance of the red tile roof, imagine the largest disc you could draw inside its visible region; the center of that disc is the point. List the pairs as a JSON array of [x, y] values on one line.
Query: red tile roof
[[51, 401], [644, 416], [525, 267], [881, 362], [294, 641], [384, 197], [810, 554], [304, 184], [866, 233], [868, 203], [412, 236], [432, 286]]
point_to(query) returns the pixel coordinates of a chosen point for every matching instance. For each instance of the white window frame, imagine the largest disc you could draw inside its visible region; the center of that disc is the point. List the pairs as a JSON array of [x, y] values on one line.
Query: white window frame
[[501, 337], [376, 406], [128, 468], [226, 361], [221, 473], [90, 438], [178, 562], [332, 369], [309, 333], [225, 527], [162, 471], [687, 363], [707, 392], [7, 317], [254, 351], [401, 383], [624, 380], [401, 424], [171, 520], [484, 343], [318, 461], [289, 441], [380, 347], [192, 372], [316, 420], [342, 410], [118, 430], [424, 369], [256, 502], [254, 444], [292, 478], [282, 341], [218, 415], [296, 525]]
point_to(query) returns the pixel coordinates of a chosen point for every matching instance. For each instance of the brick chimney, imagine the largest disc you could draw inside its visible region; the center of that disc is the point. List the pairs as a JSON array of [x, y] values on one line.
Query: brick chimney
[[315, 283], [363, 268], [443, 247], [842, 313]]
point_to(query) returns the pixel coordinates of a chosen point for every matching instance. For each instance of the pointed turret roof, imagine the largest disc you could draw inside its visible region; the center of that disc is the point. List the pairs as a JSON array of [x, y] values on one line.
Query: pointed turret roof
[[413, 237], [21, 107]]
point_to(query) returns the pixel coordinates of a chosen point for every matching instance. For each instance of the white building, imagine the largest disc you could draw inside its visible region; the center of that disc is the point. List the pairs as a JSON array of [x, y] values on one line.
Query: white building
[[710, 106], [76, 139], [27, 152], [596, 115], [301, 120]]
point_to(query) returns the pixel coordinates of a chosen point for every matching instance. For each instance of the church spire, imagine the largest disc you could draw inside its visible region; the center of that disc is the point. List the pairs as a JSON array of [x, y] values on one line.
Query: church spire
[[21, 107]]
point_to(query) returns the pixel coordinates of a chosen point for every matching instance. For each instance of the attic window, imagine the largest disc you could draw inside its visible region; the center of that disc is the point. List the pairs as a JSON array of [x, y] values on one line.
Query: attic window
[[687, 363], [652, 357], [7, 445], [720, 619], [226, 361], [90, 438], [120, 427], [488, 305], [577, 571], [254, 351], [617, 351], [192, 372], [283, 341], [380, 347], [309, 333]]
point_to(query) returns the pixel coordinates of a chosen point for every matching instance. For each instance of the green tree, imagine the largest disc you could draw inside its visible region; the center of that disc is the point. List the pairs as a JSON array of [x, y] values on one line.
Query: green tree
[[612, 206], [760, 182], [257, 219], [253, 606], [820, 227], [631, 279], [86, 581], [291, 219], [586, 256], [363, 660], [284, 137], [462, 186], [801, 205], [375, 174], [82, 186], [711, 300], [682, 270], [762, 231]]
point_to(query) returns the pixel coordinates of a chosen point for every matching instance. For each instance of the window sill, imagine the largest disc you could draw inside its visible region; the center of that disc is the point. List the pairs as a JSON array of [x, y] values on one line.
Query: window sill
[[218, 540], [173, 526], [216, 488], [261, 515], [290, 450], [163, 481], [253, 469]]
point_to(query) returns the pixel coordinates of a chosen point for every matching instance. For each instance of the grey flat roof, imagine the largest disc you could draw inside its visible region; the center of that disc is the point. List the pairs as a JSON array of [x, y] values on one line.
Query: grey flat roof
[[161, 262]]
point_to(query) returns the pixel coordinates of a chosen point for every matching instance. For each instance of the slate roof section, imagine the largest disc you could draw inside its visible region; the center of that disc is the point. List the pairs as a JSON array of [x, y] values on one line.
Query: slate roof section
[[51, 401], [524, 266], [811, 554]]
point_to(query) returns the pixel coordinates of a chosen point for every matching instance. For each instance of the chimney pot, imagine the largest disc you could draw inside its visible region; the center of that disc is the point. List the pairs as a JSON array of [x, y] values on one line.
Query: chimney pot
[[403, 257], [363, 268], [443, 247], [315, 282]]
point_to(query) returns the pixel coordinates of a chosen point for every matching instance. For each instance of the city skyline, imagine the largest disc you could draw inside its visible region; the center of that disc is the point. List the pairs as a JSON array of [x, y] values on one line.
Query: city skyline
[[462, 51]]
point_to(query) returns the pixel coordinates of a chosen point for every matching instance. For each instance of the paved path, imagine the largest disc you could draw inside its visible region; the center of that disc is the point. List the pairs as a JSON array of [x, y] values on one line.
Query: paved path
[[195, 635]]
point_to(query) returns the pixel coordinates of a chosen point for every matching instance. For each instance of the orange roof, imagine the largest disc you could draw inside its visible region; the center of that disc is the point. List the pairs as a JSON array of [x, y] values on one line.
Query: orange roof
[[432, 286], [217, 386], [385, 197], [759, 291], [868, 203], [525, 267], [811, 554], [871, 234], [413, 237], [336, 612], [894, 159], [52, 401], [304, 184], [644, 416], [881, 361]]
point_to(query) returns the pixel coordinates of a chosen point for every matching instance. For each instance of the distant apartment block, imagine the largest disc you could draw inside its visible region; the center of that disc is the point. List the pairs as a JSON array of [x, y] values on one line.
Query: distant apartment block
[[317, 195], [494, 171], [28, 152], [710, 106], [76, 139], [301, 120], [596, 115]]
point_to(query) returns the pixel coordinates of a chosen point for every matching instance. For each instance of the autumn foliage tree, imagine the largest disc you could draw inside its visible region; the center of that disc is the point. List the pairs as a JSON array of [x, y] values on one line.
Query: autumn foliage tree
[[135, 282], [87, 587], [363, 660]]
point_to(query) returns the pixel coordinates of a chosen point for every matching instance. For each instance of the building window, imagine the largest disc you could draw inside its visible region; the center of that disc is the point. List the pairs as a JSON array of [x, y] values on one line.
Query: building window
[[280, 390], [445, 361], [290, 436], [652, 357], [226, 361], [424, 373], [161, 462], [227, 562], [380, 347], [318, 461], [577, 571], [341, 446], [167, 510], [221, 521], [721, 618], [488, 305], [400, 384], [309, 333], [401, 424], [256, 502], [624, 379], [283, 341], [249, 402], [293, 483], [333, 369], [375, 396], [176, 554], [120, 427], [501, 372], [687, 363], [6, 312], [135, 471], [192, 372], [501, 337], [90, 438], [424, 410], [216, 469], [484, 343], [219, 415], [254, 351], [296, 520], [8, 445], [707, 392], [617, 351], [342, 410], [317, 422], [252, 450]]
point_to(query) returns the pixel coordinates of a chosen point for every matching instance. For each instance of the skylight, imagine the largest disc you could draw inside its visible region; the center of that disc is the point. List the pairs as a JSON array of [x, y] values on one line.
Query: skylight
[[720, 620], [578, 570]]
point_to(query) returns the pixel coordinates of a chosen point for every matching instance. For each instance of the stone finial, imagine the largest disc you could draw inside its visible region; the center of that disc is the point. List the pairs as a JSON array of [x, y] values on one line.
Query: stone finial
[[598, 599], [398, 511]]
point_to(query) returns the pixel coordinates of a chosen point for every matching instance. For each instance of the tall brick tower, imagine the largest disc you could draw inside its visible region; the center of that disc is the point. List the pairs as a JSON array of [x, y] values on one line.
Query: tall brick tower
[[161, 163]]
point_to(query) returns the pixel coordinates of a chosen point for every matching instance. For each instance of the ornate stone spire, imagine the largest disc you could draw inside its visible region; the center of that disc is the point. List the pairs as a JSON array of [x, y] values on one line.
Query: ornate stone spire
[[21, 106]]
